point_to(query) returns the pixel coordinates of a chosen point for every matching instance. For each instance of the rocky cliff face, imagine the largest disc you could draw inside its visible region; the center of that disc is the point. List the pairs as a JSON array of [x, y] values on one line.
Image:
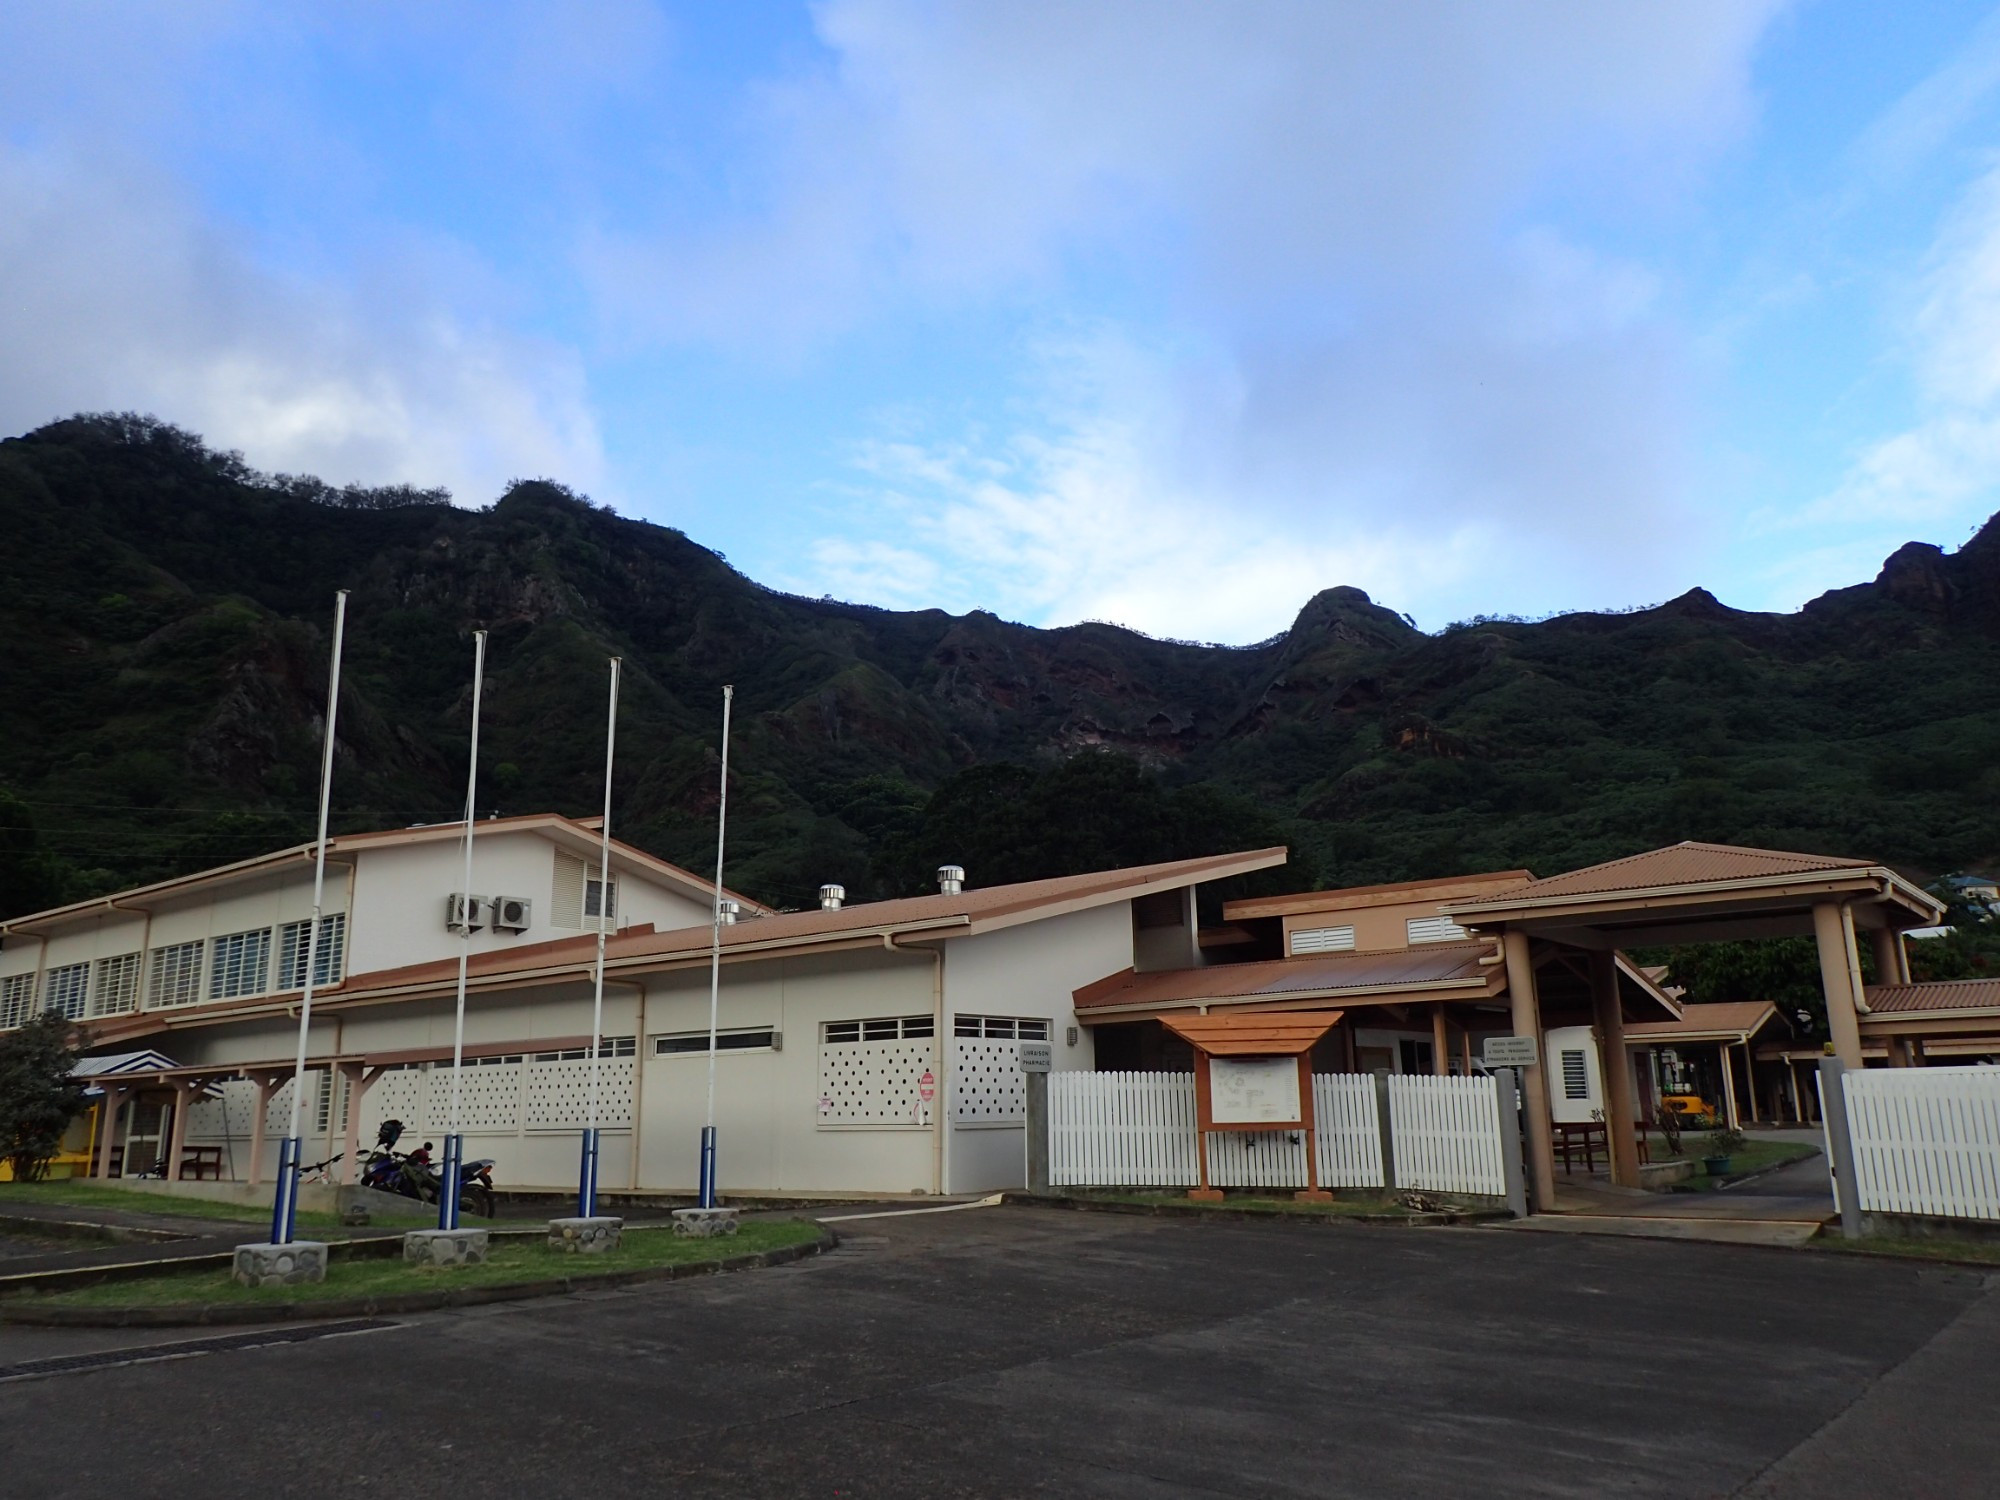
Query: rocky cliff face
[[164, 615]]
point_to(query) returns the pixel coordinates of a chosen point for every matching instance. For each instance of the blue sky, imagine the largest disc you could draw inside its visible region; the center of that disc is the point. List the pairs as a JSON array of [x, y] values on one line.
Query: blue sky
[[1169, 314]]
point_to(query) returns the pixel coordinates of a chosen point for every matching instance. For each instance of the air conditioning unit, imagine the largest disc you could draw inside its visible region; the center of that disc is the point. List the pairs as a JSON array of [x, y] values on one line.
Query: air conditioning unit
[[513, 913], [463, 912]]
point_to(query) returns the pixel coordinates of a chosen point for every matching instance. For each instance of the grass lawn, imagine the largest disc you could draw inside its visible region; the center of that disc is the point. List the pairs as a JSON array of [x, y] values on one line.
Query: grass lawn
[[81, 1193], [1754, 1157], [1344, 1205], [510, 1261]]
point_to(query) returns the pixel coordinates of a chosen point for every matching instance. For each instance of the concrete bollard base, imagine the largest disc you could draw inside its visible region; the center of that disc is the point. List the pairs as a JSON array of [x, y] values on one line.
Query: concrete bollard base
[[585, 1236], [445, 1247], [279, 1265], [704, 1223]]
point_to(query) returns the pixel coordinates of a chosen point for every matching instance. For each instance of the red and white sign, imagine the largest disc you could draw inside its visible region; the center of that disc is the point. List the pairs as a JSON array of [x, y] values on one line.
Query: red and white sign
[[927, 1086]]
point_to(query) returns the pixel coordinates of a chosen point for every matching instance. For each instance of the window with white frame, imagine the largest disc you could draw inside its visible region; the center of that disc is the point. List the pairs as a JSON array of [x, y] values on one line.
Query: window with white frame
[[326, 1085], [888, 1029], [240, 964], [114, 988], [608, 1046], [174, 976], [17, 1000], [1007, 1028], [1322, 940], [294, 938], [595, 902], [1434, 930], [66, 989], [743, 1039]]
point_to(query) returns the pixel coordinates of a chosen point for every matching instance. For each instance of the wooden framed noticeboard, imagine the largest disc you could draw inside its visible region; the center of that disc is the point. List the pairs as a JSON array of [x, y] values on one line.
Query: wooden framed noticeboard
[[1254, 1072], [1257, 1093]]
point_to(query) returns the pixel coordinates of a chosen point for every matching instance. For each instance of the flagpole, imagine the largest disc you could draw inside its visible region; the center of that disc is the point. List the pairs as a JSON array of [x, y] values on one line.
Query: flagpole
[[586, 1194], [285, 1201], [454, 1141], [708, 1194]]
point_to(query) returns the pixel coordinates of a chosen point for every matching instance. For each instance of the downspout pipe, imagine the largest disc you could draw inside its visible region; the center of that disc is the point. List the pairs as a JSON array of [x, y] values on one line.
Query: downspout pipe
[[938, 1103]]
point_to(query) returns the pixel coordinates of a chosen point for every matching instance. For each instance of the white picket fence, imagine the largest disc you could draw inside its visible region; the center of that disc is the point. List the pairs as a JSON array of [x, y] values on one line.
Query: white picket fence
[[1446, 1134], [1350, 1130], [1138, 1129], [1926, 1140]]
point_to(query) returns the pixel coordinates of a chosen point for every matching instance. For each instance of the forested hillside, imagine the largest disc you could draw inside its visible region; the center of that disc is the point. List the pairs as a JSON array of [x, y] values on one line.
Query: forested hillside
[[165, 614]]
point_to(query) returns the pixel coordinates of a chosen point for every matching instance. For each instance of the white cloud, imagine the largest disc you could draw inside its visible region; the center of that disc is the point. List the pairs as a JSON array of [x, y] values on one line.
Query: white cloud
[[1332, 240], [121, 295], [1945, 466]]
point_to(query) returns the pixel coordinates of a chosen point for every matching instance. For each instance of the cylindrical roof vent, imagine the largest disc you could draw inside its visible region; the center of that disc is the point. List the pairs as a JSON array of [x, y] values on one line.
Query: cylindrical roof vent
[[951, 879], [831, 897], [731, 910]]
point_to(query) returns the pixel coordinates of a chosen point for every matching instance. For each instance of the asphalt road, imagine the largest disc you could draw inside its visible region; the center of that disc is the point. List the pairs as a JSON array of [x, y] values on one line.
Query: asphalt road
[[1017, 1351]]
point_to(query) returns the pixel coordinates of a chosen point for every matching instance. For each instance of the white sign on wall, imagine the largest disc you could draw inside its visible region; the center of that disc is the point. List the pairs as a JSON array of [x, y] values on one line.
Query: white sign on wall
[[1509, 1052], [1253, 1090]]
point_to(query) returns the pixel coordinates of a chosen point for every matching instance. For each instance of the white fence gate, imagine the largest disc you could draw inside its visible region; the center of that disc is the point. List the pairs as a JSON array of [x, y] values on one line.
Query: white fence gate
[[1926, 1140], [1121, 1129], [1350, 1130], [1137, 1130], [1446, 1134]]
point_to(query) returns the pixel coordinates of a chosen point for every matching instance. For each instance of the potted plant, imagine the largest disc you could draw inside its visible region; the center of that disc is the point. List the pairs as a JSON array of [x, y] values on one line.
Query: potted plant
[[1722, 1145]]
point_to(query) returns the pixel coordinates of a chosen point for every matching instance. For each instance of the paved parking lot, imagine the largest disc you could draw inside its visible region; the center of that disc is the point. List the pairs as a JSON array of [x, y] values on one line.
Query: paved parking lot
[[1023, 1351]]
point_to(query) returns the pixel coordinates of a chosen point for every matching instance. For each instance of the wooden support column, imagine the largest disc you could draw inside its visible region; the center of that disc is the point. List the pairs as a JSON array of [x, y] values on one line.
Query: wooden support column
[[1526, 1003], [1792, 1080], [184, 1093], [1440, 1042], [1621, 1124], [1899, 1051], [1729, 1115], [1892, 959], [115, 1097], [1834, 937]]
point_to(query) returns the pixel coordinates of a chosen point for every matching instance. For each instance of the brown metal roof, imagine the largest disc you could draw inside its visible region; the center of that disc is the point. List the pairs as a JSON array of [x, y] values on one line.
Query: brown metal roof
[[579, 833], [1733, 1020], [641, 949], [1442, 888], [1937, 995], [1271, 1033], [1453, 965], [1686, 863]]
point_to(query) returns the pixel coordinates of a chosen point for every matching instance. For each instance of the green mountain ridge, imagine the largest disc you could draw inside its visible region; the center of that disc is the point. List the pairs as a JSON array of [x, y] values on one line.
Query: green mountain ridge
[[165, 614]]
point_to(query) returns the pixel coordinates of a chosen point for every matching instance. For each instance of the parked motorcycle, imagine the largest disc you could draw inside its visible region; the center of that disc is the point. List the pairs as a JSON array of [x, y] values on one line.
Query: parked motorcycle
[[413, 1175]]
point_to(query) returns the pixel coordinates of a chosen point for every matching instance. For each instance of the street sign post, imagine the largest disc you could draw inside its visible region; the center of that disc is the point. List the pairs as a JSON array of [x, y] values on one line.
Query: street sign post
[[1509, 1052]]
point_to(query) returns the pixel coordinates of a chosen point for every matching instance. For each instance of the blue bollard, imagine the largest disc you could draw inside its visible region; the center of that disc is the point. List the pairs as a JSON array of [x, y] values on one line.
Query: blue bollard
[[454, 1152], [586, 1186], [285, 1202], [707, 1166]]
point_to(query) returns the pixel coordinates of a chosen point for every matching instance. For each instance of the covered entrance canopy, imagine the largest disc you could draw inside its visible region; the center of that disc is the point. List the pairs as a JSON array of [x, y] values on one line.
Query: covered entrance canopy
[[1692, 893]]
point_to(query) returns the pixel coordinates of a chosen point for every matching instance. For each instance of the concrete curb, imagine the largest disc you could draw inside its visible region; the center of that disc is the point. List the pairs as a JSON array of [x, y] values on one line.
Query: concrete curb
[[1256, 1215], [80, 1229], [199, 1315]]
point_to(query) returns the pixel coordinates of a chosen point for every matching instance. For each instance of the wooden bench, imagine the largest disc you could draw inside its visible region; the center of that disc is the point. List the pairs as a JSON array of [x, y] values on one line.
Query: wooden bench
[[200, 1163]]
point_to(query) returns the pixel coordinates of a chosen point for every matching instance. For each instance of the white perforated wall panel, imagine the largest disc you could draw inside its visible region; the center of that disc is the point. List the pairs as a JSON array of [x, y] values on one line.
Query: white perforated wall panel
[[489, 1097], [986, 1086], [394, 1096], [875, 1084], [559, 1094]]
